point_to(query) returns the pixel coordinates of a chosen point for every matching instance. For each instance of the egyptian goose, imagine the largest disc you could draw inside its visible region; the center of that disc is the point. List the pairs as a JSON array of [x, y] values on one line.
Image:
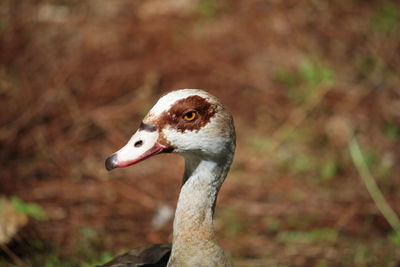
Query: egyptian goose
[[196, 125]]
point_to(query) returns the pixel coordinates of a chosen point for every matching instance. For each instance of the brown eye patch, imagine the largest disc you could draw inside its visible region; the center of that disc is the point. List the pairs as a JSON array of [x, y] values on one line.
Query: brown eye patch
[[180, 114]]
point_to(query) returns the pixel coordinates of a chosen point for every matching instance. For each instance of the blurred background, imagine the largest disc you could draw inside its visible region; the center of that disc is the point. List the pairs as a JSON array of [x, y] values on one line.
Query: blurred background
[[300, 77]]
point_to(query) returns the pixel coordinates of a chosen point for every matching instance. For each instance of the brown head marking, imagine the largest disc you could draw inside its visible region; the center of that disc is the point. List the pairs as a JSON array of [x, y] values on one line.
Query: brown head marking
[[174, 116]]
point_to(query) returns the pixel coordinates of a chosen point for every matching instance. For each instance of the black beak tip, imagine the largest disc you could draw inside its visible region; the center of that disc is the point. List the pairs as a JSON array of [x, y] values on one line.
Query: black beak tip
[[111, 162]]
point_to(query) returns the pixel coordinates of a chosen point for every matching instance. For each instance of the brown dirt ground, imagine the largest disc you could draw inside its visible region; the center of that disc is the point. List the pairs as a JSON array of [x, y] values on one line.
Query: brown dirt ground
[[76, 77]]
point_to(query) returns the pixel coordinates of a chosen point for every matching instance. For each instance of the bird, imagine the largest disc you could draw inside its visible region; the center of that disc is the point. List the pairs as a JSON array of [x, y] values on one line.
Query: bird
[[196, 125]]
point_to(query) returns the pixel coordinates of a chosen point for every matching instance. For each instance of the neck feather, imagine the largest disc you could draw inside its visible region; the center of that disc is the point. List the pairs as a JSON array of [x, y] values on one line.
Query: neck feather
[[193, 226]]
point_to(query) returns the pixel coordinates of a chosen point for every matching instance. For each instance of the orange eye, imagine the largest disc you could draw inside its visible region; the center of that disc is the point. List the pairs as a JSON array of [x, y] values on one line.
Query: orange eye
[[190, 115]]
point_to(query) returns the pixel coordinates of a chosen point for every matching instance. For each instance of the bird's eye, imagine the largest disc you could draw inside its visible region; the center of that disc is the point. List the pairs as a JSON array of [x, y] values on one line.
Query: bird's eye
[[190, 115]]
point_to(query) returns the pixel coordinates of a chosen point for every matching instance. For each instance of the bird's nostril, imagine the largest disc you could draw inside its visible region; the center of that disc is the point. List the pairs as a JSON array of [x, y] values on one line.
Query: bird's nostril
[[138, 143]]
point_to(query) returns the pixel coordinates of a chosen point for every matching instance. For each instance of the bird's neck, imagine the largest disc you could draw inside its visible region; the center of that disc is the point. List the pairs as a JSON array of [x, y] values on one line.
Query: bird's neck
[[193, 227], [194, 211]]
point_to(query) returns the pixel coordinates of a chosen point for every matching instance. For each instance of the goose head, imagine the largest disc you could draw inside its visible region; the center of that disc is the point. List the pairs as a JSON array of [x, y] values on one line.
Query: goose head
[[189, 122]]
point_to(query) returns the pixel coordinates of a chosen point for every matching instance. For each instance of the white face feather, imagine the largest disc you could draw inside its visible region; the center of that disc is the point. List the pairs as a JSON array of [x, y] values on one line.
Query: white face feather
[[168, 100], [202, 141]]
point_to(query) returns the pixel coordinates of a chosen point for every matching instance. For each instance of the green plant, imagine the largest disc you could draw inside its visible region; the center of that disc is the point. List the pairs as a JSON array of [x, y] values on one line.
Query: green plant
[[386, 18], [259, 143], [273, 224], [101, 259], [302, 164], [316, 235], [315, 73], [361, 255], [303, 82], [370, 183], [328, 169], [394, 239], [30, 209], [392, 132], [85, 255], [211, 8]]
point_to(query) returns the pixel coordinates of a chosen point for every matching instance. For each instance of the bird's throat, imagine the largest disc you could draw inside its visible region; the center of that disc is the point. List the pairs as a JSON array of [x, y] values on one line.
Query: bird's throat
[[194, 212], [193, 227]]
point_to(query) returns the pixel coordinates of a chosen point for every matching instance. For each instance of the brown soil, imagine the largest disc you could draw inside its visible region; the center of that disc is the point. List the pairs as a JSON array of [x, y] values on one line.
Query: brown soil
[[76, 77]]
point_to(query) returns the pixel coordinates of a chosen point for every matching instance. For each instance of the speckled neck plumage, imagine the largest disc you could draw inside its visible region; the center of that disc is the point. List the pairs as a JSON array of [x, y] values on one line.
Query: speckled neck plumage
[[194, 239]]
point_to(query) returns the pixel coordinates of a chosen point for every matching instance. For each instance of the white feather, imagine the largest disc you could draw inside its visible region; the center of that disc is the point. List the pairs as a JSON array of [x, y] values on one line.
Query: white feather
[[166, 102]]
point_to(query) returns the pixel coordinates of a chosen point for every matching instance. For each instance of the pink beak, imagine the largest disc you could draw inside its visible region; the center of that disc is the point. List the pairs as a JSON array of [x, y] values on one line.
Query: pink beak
[[142, 145]]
